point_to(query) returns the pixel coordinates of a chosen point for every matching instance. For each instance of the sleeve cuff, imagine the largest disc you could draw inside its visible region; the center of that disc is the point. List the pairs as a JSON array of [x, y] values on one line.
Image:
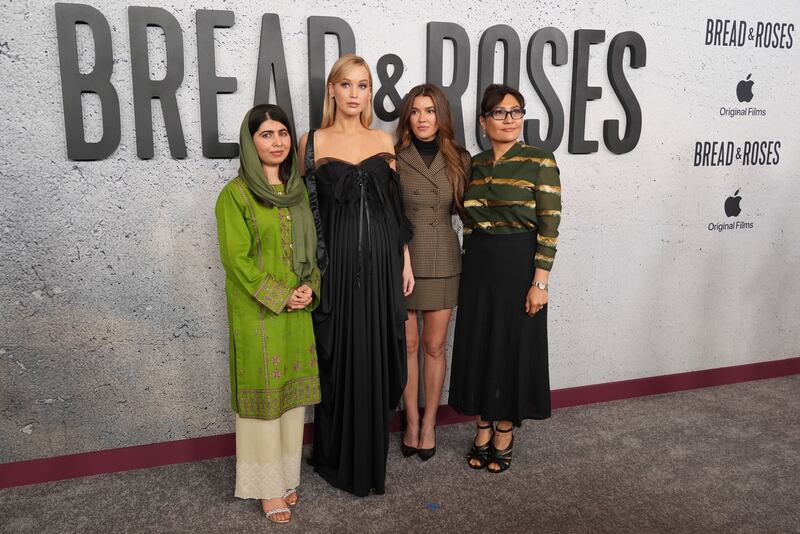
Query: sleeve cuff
[[273, 294], [540, 261]]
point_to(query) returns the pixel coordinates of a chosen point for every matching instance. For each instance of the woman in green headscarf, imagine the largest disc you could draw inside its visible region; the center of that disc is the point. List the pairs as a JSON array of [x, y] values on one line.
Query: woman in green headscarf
[[268, 248]]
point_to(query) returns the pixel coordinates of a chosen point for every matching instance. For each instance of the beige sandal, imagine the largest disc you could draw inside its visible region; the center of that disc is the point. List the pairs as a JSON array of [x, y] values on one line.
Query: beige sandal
[[271, 513], [275, 511], [288, 494]]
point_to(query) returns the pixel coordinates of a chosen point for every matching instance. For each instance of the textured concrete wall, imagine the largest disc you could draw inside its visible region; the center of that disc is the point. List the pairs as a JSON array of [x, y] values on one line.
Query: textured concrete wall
[[113, 328]]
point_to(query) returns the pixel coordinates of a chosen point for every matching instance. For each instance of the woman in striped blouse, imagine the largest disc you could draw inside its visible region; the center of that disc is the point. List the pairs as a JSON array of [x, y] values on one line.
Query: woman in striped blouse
[[513, 208]]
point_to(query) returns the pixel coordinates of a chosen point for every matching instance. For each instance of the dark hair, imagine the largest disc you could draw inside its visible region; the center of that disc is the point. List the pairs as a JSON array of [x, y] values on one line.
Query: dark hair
[[270, 112], [454, 154], [495, 93]]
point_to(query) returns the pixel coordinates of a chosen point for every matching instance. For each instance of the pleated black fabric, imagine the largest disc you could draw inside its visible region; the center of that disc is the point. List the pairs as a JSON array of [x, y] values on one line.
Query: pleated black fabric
[[359, 325], [499, 369]]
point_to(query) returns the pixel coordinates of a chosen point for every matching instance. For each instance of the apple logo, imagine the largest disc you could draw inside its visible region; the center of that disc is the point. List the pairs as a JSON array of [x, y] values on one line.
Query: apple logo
[[744, 89], [732, 208]]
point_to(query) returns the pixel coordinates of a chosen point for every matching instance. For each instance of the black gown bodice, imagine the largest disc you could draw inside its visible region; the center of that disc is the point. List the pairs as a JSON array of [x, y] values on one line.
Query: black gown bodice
[[365, 192]]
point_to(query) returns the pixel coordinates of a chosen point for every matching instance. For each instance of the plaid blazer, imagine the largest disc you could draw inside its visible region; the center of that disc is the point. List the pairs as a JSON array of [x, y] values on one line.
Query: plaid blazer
[[428, 204]]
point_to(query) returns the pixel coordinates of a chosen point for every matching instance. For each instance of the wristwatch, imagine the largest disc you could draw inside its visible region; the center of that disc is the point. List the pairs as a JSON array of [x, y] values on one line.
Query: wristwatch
[[540, 285]]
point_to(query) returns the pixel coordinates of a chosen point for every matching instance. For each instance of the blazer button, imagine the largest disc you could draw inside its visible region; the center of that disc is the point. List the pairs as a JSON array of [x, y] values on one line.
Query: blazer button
[[416, 208], [416, 191]]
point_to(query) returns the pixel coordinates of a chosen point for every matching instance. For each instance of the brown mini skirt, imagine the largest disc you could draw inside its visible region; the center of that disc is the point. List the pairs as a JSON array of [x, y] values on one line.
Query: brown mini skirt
[[432, 294]]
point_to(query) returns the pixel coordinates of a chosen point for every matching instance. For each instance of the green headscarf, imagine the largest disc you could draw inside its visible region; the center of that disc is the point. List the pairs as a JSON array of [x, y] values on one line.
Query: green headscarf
[[295, 198]]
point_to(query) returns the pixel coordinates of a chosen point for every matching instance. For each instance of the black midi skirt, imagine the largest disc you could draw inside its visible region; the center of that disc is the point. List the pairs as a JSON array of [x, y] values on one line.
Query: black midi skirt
[[499, 368]]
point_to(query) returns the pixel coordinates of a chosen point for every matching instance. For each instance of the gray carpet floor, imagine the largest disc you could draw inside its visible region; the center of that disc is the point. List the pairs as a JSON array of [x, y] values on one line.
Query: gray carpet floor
[[724, 459]]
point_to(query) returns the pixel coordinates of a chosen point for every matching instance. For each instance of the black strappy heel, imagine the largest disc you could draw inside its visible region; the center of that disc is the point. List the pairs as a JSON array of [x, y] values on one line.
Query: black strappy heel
[[502, 457], [481, 453]]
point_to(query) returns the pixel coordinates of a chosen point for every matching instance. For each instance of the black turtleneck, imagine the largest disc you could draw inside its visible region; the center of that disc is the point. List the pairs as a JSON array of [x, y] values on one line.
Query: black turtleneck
[[426, 149]]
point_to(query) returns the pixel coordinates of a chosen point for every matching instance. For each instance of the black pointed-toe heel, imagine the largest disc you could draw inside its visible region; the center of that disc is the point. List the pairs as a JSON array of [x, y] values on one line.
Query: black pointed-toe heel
[[407, 451], [427, 454], [481, 453], [501, 457]]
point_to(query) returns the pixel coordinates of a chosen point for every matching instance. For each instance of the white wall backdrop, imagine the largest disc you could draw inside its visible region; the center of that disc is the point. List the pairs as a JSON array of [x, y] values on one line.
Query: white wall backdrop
[[113, 329]]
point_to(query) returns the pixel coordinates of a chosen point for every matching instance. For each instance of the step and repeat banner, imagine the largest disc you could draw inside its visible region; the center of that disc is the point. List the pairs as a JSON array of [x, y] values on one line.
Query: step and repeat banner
[[674, 126]]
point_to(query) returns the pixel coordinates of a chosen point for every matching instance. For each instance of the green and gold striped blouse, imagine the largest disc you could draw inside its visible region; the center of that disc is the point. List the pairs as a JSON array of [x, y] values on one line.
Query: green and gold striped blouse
[[521, 192]]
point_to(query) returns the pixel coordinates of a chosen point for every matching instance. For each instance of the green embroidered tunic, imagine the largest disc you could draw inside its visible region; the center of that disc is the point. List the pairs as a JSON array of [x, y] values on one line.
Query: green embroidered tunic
[[520, 192], [273, 358]]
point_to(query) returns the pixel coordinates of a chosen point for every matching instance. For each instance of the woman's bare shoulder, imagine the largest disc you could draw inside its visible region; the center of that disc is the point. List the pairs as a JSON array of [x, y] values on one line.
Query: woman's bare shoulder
[[385, 139], [301, 143]]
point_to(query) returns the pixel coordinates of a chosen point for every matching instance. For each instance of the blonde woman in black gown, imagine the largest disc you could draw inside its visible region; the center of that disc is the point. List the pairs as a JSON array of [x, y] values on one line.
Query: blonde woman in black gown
[[366, 273]]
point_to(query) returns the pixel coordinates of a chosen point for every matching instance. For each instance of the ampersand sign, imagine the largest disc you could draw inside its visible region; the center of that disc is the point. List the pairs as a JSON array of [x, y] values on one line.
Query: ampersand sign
[[388, 87]]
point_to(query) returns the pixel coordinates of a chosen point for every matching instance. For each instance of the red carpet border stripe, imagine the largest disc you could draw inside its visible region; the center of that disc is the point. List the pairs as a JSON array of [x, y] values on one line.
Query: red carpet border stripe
[[195, 449]]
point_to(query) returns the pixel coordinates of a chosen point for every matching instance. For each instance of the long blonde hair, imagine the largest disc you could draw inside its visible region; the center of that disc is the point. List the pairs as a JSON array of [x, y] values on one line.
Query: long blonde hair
[[337, 74]]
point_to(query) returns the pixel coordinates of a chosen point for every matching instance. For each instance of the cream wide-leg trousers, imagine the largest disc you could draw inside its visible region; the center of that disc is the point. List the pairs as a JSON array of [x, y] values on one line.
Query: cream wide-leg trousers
[[268, 455]]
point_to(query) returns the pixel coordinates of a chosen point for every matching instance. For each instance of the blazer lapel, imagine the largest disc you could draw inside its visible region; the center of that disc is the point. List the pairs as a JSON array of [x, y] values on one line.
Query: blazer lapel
[[410, 155], [437, 165]]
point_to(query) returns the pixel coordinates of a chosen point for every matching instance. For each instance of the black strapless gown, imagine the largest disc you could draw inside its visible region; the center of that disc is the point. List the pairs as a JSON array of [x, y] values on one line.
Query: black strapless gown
[[359, 325]]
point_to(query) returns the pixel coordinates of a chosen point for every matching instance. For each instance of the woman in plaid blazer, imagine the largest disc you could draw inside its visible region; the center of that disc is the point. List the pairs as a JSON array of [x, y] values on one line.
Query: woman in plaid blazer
[[433, 170]]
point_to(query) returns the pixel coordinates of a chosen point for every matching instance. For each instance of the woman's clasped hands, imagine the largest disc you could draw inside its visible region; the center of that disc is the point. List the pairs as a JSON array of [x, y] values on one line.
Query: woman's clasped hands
[[300, 298]]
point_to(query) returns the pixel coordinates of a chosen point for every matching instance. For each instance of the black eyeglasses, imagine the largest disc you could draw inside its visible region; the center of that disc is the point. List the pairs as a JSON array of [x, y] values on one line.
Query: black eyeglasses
[[500, 114]]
